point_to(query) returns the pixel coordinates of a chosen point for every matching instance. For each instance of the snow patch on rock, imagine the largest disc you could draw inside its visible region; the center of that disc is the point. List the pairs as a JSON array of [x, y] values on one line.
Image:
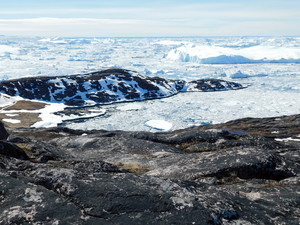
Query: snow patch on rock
[[14, 121]]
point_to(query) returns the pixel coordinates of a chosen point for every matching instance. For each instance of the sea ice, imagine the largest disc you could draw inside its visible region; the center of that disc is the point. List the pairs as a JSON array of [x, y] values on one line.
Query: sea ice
[[159, 124], [7, 50], [129, 107], [274, 89], [239, 74]]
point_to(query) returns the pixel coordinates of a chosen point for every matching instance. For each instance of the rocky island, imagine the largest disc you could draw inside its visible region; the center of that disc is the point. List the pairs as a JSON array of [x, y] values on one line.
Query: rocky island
[[50, 101], [107, 86]]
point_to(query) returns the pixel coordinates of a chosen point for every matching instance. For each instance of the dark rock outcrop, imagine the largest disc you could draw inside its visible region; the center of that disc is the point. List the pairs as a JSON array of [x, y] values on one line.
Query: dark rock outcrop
[[3, 132], [219, 174], [108, 86]]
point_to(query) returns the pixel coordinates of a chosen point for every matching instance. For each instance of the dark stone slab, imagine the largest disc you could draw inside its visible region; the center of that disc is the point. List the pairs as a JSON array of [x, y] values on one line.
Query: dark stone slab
[[221, 174]]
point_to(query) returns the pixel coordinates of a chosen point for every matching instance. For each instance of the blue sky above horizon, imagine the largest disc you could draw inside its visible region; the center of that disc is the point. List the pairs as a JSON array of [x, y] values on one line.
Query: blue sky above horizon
[[133, 18]]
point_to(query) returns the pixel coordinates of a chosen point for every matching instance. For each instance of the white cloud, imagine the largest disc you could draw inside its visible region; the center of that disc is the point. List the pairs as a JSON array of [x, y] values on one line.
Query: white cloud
[[96, 27], [260, 28], [183, 26], [65, 26]]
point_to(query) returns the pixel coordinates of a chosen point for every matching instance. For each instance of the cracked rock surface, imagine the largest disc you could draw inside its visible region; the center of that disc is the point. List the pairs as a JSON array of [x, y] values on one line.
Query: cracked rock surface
[[241, 172]]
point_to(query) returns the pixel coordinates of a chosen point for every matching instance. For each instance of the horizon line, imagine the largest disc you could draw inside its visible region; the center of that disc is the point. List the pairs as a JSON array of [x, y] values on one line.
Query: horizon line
[[189, 36]]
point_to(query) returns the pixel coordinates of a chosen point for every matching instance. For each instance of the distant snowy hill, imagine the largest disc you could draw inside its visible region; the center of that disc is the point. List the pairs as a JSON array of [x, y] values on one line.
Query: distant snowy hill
[[107, 86]]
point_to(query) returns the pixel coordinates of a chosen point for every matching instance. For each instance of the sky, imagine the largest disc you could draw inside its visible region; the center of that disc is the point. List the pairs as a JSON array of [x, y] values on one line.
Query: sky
[[149, 18]]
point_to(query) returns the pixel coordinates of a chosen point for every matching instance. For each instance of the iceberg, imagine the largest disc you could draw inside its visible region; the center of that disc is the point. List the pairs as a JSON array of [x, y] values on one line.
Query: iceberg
[[206, 54], [239, 74]]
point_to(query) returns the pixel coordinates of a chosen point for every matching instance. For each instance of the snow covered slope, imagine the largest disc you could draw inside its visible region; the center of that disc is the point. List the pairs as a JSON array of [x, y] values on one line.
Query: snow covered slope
[[108, 86], [6, 100]]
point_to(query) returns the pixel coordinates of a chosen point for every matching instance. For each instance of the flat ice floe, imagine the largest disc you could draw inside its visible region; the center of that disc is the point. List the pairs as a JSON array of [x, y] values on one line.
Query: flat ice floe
[[159, 124], [129, 107]]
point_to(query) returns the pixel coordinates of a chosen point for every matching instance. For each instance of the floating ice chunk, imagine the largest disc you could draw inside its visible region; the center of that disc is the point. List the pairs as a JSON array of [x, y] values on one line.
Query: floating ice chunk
[[239, 74], [159, 124], [170, 42], [259, 75], [82, 116], [14, 121], [160, 72], [45, 40], [4, 49], [55, 40], [147, 72], [129, 107]]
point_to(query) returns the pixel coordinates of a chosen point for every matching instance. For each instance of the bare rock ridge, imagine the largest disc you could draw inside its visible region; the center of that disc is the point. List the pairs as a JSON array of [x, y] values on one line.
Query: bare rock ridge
[[241, 172], [107, 86]]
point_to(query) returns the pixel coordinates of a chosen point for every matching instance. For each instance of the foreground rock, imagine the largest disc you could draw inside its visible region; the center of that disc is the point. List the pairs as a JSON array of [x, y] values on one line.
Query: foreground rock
[[108, 86], [222, 174]]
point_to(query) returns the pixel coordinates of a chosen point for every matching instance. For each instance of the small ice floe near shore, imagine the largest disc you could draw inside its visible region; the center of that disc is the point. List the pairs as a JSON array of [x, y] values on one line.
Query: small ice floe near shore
[[159, 125], [129, 107]]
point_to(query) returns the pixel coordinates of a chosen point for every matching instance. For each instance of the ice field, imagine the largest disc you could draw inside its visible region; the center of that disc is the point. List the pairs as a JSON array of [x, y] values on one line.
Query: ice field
[[270, 65]]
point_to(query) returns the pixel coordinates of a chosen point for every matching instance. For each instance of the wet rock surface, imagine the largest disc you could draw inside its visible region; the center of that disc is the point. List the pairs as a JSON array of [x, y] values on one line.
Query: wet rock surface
[[241, 172], [107, 86]]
